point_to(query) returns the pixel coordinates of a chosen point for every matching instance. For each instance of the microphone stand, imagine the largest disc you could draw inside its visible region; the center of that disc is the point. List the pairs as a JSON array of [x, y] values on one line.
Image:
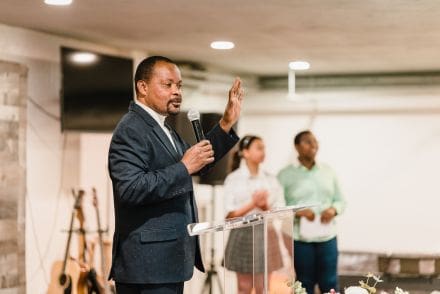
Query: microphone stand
[[212, 272]]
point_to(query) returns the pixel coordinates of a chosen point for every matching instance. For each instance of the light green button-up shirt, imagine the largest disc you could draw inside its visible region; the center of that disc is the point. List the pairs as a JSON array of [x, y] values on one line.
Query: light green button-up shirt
[[319, 186]]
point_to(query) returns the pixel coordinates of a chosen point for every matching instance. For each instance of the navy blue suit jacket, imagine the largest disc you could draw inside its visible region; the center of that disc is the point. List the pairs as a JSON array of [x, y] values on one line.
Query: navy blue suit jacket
[[154, 201]]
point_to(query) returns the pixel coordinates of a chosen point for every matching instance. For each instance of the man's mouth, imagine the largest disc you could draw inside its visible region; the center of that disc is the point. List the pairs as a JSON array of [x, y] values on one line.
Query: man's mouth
[[176, 103]]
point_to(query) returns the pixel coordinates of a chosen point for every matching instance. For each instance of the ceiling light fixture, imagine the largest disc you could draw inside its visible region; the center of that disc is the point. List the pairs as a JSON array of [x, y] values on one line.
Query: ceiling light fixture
[[58, 2], [83, 58], [299, 65], [222, 45], [293, 66]]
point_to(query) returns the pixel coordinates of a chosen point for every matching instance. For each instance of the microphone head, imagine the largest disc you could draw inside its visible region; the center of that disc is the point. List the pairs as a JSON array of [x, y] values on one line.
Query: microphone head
[[193, 115]]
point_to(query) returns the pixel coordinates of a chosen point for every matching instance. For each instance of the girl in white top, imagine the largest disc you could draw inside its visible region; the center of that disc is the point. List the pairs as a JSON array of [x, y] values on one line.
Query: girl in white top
[[248, 190]]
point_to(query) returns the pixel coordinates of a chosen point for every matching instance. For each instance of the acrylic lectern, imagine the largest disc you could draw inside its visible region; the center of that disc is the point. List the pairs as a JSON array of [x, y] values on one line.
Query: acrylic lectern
[[258, 246]]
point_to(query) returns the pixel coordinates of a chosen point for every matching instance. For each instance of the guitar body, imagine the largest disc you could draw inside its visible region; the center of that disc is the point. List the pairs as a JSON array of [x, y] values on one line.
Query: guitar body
[[67, 285], [65, 274], [82, 283]]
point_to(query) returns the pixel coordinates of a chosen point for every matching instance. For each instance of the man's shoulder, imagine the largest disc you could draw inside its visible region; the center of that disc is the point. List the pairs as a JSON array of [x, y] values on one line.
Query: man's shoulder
[[286, 174], [325, 167], [132, 121]]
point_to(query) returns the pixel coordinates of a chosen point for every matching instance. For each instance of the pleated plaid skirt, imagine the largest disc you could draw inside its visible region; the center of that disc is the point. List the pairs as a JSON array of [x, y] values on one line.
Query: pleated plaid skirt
[[244, 251]]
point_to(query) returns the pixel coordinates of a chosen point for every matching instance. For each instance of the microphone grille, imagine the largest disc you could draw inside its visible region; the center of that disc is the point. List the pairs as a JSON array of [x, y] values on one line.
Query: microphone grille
[[193, 114]]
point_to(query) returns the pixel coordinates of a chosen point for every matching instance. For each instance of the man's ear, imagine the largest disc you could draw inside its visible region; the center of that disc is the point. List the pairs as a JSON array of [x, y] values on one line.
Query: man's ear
[[142, 87]]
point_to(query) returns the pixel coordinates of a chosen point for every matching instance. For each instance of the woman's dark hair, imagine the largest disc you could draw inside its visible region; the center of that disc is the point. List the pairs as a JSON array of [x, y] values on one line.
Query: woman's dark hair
[[244, 143], [299, 136], [144, 70]]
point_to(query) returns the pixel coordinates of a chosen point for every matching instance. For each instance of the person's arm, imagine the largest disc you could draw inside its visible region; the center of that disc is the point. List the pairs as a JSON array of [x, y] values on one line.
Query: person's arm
[[338, 204], [242, 210], [221, 143], [222, 136], [233, 107], [234, 186], [133, 178], [259, 199]]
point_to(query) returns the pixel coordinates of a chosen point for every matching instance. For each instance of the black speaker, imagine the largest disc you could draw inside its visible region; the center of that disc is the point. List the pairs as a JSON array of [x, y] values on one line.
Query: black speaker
[[180, 122]]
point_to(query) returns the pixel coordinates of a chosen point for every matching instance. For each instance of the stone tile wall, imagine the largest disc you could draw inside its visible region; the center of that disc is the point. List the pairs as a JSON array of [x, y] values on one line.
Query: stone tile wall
[[12, 177]]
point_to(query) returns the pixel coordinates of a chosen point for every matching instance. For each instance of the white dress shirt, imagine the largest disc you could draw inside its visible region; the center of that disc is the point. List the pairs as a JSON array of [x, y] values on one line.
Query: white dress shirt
[[160, 119]]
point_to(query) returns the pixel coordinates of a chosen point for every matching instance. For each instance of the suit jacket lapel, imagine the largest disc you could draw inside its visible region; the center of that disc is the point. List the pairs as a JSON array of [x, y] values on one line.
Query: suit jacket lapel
[[163, 138], [176, 139]]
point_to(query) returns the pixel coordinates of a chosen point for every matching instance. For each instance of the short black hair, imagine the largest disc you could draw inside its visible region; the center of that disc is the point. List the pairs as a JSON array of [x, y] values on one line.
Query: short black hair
[[298, 137], [144, 70]]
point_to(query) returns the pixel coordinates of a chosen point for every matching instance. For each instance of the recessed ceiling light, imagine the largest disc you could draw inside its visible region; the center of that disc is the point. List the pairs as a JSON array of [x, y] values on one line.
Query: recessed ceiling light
[[222, 45], [299, 65], [83, 57], [58, 2]]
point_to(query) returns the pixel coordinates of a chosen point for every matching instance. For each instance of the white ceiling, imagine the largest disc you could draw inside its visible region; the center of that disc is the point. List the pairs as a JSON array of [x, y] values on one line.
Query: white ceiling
[[335, 36]]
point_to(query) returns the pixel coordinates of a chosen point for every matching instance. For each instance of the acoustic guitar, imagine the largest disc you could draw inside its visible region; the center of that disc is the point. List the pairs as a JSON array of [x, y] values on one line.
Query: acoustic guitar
[[66, 273]]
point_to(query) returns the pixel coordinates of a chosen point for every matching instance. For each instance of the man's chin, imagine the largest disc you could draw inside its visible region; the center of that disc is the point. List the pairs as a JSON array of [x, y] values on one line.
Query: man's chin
[[174, 111]]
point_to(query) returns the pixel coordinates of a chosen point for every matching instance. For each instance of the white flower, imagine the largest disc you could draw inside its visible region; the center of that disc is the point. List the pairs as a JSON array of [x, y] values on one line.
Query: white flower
[[400, 291], [355, 290], [377, 279]]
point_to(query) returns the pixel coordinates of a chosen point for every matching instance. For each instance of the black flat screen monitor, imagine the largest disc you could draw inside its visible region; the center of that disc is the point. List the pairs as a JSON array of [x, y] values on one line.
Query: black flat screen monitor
[[96, 90]]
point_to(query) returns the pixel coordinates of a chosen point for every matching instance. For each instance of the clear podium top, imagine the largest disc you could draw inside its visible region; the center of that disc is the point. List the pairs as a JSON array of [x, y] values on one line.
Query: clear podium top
[[244, 221]]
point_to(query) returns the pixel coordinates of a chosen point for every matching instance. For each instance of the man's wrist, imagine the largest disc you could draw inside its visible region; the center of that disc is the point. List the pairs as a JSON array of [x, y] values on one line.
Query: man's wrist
[[225, 126]]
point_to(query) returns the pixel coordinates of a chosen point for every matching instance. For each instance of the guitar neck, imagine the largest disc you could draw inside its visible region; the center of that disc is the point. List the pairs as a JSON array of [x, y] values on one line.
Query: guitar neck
[[69, 237], [101, 243]]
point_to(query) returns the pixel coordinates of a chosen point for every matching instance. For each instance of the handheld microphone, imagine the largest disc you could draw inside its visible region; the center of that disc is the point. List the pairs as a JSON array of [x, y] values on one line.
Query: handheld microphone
[[194, 117]]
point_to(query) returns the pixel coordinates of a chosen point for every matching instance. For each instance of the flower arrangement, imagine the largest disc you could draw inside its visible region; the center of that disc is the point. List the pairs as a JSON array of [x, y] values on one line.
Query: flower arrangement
[[363, 288], [296, 287]]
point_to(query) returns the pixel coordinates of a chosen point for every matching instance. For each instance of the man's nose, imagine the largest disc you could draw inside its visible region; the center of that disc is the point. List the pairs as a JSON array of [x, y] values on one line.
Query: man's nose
[[177, 89]]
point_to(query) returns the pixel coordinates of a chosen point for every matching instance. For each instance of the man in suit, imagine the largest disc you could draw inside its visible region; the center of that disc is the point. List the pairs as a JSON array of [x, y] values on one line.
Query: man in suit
[[151, 167]]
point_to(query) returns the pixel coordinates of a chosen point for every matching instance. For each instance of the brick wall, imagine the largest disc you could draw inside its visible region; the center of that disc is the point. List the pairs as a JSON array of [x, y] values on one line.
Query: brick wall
[[12, 177]]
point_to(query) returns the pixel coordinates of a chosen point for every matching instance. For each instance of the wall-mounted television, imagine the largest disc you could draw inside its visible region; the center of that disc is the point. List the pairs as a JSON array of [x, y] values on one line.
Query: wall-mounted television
[[96, 90]]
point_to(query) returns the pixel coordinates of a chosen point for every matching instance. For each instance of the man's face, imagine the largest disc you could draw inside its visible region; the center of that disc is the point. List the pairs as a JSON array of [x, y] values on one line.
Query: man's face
[[163, 92], [307, 147]]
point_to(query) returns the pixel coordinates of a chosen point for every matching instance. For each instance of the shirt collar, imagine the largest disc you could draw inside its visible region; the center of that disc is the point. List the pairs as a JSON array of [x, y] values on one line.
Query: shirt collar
[[160, 119], [297, 164], [244, 170]]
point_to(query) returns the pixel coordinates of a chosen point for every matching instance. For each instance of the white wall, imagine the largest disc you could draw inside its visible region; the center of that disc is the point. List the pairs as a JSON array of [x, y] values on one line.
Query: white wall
[[383, 144]]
